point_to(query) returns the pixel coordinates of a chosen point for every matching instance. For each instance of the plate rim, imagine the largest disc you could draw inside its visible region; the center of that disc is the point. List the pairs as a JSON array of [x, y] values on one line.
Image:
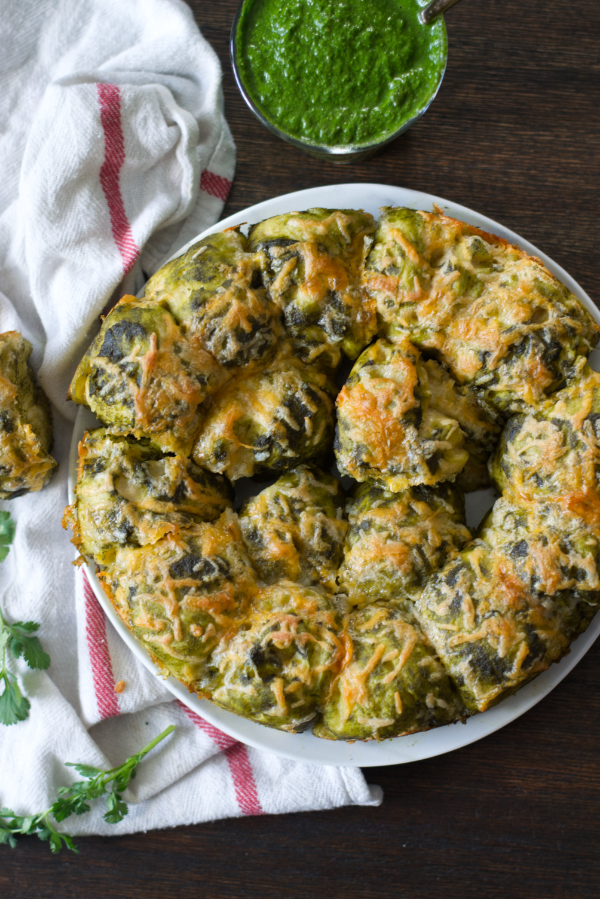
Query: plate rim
[[305, 747]]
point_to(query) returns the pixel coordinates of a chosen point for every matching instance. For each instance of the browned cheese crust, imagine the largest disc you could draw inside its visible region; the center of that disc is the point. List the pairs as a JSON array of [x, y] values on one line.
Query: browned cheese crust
[[295, 529], [142, 377], [397, 540], [311, 263], [493, 314], [268, 421], [388, 430], [213, 294], [130, 495], [184, 593], [480, 424]]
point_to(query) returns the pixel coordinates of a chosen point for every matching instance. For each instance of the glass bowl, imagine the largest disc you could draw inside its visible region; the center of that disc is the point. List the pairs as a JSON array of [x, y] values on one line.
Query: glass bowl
[[343, 154]]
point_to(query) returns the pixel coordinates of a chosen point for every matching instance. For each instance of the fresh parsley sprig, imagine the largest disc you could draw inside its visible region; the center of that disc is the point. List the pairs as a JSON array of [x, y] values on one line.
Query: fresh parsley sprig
[[18, 639], [74, 800], [7, 534]]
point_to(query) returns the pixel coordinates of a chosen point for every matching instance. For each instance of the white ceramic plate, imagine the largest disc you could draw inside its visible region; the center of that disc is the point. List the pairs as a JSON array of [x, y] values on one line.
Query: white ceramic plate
[[305, 747]]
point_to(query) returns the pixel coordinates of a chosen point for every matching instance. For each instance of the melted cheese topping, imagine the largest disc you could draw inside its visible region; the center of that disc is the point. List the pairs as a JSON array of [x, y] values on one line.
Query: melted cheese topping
[[395, 542], [504, 609], [209, 290], [489, 310], [279, 666], [156, 387], [557, 549], [295, 529], [128, 496], [270, 420], [389, 667], [312, 264], [556, 451], [183, 593], [478, 422], [386, 430]]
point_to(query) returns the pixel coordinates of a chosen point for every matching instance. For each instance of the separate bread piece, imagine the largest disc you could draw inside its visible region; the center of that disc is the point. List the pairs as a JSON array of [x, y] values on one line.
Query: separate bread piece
[[555, 453], [396, 540], [311, 267], [512, 602], [142, 376], [213, 295], [269, 421], [552, 552], [129, 494], [277, 667], [387, 429], [179, 596], [478, 421], [392, 682], [295, 529], [493, 314], [25, 422]]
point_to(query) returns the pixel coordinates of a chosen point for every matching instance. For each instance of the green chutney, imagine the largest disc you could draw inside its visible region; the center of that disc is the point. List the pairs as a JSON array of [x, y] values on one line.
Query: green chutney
[[339, 72]]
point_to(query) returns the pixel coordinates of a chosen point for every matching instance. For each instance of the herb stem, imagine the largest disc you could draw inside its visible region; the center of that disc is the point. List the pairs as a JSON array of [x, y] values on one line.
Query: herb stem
[[74, 800], [168, 730]]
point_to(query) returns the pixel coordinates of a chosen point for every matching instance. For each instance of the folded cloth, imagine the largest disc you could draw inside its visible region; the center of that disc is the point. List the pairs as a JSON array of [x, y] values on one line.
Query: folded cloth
[[114, 152]]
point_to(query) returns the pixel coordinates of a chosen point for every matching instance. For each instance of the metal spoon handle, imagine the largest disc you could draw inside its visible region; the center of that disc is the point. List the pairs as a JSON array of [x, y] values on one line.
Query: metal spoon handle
[[435, 9]]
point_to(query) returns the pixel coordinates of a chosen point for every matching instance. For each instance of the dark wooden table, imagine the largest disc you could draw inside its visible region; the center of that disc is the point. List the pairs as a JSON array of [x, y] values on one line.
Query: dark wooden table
[[515, 134]]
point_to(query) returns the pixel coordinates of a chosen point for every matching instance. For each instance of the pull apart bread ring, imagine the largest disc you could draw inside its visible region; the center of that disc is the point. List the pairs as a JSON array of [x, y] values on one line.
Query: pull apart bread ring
[[373, 614]]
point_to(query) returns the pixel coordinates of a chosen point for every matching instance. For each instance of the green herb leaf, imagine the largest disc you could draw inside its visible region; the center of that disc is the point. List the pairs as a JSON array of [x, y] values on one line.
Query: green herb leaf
[[67, 840], [7, 534], [84, 770], [117, 809], [55, 842], [44, 832], [14, 707], [61, 809], [7, 838], [30, 647], [18, 640], [28, 627], [28, 824]]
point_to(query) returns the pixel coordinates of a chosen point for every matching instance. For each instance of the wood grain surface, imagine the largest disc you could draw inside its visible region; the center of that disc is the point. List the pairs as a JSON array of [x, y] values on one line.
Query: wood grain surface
[[515, 134]]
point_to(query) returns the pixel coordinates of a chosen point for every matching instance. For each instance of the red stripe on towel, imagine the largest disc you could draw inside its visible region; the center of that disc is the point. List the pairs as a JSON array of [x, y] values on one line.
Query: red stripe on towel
[[238, 761], [102, 672], [109, 97], [223, 741], [215, 185], [243, 780]]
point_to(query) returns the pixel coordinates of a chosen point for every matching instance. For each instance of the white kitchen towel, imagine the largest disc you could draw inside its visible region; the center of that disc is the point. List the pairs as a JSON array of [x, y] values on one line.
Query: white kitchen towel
[[116, 149], [114, 152]]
